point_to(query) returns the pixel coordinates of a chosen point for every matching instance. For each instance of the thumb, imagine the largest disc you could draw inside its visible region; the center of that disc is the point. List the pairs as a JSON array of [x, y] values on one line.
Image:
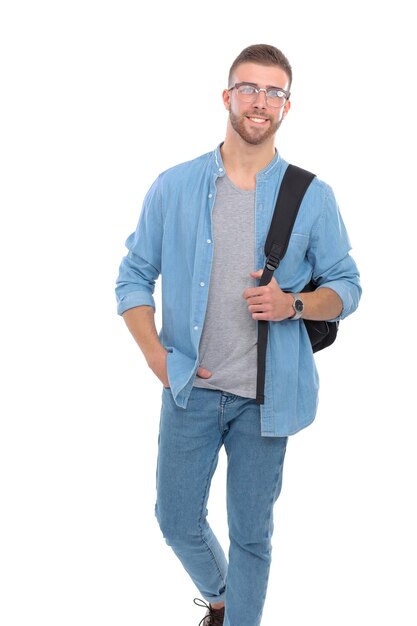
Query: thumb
[[203, 373], [257, 274]]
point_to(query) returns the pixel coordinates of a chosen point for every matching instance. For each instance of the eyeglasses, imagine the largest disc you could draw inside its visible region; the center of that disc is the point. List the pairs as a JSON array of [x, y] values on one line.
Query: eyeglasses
[[248, 92]]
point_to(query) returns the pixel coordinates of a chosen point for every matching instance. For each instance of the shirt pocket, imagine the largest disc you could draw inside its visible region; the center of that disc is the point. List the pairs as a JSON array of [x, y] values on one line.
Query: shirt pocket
[[294, 258]]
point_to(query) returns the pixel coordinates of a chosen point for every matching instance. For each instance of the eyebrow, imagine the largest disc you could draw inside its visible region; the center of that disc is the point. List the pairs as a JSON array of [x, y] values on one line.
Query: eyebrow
[[247, 82]]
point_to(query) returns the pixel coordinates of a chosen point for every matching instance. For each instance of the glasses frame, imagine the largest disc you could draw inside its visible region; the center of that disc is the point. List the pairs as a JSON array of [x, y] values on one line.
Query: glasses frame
[[259, 89]]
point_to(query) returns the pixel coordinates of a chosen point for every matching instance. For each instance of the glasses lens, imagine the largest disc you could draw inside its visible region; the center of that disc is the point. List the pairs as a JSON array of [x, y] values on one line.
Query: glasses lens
[[275, 97], [247, 93]]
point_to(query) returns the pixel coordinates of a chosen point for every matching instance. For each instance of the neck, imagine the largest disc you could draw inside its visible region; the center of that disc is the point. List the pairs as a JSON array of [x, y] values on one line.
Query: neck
[[242, 161]]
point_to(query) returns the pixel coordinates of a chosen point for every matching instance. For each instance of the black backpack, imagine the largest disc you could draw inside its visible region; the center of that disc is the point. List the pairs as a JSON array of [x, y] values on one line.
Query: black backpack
[[291, 193]]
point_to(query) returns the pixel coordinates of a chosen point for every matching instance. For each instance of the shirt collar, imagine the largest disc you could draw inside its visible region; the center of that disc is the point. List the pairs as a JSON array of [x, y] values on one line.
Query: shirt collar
[[263, 174]]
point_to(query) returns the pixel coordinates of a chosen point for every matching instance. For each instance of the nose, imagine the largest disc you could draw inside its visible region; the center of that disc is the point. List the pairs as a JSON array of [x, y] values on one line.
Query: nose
[[260, 103]]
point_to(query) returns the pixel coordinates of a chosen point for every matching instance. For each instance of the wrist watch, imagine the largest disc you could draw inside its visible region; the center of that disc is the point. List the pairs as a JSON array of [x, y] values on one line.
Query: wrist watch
[[298, 306]]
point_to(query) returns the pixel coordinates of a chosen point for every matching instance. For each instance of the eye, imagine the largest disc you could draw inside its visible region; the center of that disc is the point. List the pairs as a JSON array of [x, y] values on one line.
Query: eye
[[276, 93], [247, 90]]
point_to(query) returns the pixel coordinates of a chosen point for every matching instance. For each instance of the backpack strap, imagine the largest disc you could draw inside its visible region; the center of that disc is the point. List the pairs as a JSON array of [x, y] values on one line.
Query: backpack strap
[[291, 193]]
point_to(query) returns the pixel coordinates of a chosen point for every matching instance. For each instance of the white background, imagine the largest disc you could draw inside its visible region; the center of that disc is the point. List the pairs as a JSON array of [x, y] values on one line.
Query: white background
[[97, 99]]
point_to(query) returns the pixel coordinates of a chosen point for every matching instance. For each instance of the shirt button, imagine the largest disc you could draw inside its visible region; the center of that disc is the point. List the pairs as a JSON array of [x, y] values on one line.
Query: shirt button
[[208, 240], [202, 284], [195, 327], [220, 169], [210, 195]]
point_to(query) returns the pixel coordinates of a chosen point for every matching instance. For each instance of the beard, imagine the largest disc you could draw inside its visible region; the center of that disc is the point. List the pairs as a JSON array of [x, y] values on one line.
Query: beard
[[253, 136]]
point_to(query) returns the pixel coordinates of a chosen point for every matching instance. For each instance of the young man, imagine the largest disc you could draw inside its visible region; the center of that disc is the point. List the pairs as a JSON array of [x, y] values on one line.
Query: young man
[[203, 228]]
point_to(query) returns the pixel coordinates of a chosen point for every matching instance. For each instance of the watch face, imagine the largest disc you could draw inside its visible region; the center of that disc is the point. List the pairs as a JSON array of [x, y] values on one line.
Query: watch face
[[298, 306]]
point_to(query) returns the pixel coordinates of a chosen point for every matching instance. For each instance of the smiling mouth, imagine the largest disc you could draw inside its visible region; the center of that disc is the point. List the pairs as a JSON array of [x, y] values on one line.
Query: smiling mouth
[[258, 120]]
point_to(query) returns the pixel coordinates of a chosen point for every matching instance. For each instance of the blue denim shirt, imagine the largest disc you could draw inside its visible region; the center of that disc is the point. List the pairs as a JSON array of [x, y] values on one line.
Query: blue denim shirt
[[174, 239]]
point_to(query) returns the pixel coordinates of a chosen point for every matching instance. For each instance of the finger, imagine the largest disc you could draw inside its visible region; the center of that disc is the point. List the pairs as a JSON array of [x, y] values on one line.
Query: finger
[[264, 299], [262, 316], [253, 292], [203, 373], [260, 308]]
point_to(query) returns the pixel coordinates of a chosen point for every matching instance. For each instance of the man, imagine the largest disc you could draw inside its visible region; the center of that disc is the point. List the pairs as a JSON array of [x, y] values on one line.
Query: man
[[203, 228]]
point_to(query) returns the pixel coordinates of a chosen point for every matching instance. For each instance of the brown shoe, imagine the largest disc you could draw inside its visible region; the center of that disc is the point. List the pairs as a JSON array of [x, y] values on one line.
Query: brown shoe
[[213, 617]]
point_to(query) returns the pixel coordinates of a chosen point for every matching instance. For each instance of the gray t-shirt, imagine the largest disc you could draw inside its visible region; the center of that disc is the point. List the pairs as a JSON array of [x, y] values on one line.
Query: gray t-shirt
[[229, 337]]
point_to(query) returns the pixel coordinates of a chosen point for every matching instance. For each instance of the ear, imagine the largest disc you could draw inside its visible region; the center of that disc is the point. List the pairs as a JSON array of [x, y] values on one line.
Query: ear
[[226, 99], [287, 107]]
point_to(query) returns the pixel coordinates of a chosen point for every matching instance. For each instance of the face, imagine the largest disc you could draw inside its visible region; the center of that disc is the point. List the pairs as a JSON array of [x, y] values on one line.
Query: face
[[256, 122]]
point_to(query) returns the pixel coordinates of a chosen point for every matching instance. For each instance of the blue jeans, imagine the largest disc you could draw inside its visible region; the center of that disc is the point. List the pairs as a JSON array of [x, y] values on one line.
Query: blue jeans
[[189, 444]]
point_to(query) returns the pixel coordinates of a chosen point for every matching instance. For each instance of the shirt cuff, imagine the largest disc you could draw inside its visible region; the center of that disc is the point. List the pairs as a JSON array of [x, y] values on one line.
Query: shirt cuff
[[347, 292], [135, 298]]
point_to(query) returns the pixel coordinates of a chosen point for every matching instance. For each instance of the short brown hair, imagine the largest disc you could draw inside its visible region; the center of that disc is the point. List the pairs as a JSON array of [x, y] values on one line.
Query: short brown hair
[[263, 55]]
